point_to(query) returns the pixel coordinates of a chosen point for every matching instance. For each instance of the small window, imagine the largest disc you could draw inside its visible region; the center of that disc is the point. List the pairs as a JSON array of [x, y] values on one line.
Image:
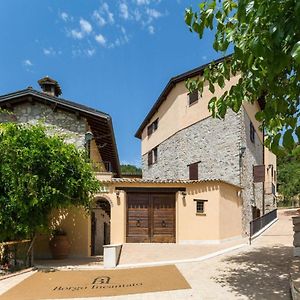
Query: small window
[[152, 127], [193, 97], [252, 133], [152, 156], [193, 171], [200, 207]]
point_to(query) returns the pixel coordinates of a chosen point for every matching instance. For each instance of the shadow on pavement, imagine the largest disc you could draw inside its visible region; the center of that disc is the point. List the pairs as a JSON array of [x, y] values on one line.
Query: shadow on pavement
[[262, 273]]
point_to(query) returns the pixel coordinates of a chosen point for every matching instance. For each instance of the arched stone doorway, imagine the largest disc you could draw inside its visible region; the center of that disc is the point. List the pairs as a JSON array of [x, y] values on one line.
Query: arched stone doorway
[[100, 225]]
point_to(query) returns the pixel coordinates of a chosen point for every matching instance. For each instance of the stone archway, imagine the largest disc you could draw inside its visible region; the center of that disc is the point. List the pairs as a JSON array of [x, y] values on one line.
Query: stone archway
[[100, 225]]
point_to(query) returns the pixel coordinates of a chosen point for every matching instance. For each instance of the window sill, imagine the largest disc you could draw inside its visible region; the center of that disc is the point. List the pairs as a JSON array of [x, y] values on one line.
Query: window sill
[[200, 214]]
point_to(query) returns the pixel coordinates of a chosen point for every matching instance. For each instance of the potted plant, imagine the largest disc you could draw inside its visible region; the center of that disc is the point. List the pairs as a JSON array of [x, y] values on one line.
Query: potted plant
[[59, 244]]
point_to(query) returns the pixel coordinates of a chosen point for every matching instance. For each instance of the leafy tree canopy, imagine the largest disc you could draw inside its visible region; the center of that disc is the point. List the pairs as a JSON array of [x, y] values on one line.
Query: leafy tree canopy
[[38, 173], [265, 38], [130, 169], [289, 175]]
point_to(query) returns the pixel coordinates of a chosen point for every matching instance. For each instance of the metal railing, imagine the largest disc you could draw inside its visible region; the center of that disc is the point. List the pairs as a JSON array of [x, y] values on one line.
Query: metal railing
[[15, 255], [259, 223]]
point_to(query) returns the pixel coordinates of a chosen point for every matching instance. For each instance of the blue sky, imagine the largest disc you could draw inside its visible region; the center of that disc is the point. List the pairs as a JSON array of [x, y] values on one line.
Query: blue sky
[[115, 56]]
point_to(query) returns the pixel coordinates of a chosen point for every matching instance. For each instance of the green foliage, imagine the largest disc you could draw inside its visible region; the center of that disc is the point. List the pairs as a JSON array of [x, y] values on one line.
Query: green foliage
[[38, 173], [289, 174], [265, 36], [130, 169]]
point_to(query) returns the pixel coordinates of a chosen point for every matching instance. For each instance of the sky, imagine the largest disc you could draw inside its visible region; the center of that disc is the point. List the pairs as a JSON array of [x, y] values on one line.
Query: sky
[[114, 56]]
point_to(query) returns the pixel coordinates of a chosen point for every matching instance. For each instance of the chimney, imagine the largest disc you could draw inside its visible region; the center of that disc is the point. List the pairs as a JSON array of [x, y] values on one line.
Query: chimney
[[50, 86]]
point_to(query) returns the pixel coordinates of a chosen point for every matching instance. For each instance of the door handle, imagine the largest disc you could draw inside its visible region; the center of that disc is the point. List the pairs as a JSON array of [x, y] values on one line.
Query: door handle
[[163, 224], [138, 223]]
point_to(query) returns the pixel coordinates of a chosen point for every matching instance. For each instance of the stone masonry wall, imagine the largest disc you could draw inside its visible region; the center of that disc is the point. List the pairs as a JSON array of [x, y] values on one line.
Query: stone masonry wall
[[216, 145], [211, 142], [252, 193], [58, 122]]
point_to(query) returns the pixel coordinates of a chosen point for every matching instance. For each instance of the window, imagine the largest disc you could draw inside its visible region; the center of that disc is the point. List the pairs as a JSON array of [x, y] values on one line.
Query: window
[[152, 156], [200, 207], [252, 133], [152, 127], [193, 171], [193, 97]]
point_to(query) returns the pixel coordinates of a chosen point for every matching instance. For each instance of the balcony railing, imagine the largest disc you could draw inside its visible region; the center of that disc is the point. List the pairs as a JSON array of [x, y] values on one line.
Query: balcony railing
[[259, 223], [104, 166]]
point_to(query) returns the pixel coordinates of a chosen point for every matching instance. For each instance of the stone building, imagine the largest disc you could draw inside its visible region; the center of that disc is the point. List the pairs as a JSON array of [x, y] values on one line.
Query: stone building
[[181, 140], [87, 129]]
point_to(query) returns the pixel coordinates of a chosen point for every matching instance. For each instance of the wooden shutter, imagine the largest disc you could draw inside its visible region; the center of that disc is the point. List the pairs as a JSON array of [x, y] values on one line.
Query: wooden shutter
[[150, 158], [259, 173], [193, 97], [193, 170], [149, 130]]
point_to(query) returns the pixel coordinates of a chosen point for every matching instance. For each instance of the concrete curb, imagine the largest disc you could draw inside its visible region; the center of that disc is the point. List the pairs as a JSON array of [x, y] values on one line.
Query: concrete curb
[[17, 273], [171, 262], [294, 291]]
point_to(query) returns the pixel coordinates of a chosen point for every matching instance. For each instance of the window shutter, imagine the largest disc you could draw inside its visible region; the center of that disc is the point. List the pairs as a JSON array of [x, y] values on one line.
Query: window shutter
[[193, 97], [193, 170], [259, 173], [150, 158], [149, 130]]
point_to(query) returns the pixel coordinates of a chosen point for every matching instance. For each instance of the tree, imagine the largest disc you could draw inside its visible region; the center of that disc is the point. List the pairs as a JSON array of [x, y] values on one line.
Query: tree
[[289, 176], [38, 173], [265, 38], [130, 169]]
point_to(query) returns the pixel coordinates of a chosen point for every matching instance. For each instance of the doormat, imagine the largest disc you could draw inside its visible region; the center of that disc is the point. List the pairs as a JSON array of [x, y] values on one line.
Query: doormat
[[82, 284]]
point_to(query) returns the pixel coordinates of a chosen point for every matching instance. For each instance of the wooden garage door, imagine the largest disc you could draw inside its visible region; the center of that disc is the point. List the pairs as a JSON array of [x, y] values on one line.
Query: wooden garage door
[[150, 218]]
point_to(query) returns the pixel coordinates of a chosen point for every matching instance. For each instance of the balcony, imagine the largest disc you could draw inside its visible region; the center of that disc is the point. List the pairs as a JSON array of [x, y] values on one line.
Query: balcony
[[103, 170]]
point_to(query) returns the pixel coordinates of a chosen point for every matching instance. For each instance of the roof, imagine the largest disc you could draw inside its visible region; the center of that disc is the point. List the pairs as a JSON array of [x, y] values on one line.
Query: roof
[[164, 181], [99, 122], [172, 82]]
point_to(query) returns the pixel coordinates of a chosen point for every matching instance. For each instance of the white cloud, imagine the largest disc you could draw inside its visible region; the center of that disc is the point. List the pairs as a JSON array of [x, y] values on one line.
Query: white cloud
[[100, 39], [204, 57], [85, 26], [27, 63], [90, 52], [153, 13], [99, 19], [109, 14], [142, 2], [50, 51], [124, 11], [76, 34], [151, 29], [65, 16]]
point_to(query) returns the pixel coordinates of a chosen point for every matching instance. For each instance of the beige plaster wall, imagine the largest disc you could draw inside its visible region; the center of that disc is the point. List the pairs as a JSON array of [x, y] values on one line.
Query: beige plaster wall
[[192, 227], [230, 212], [76, 223], [175, 113]]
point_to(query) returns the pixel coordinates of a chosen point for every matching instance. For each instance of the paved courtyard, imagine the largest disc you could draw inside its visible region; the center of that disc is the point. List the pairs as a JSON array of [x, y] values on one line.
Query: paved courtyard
[[259, 271]]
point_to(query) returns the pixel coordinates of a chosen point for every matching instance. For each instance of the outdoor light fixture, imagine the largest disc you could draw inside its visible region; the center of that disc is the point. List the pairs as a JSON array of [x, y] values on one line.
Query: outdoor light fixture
[[87, 142], [88, 137]]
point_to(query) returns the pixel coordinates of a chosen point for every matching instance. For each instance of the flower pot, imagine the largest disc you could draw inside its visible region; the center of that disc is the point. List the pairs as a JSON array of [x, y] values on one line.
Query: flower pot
[[60, 246]]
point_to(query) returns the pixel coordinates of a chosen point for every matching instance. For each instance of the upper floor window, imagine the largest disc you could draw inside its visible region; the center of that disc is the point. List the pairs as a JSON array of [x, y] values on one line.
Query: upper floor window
[[152, 127], [193, 97], [193, 171], [152, 156], [252, 133]]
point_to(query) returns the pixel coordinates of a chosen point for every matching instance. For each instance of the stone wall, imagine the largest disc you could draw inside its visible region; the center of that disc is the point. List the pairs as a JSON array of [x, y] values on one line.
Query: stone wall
[[216, 145], [252, 193], [58, 122], [211, 142]]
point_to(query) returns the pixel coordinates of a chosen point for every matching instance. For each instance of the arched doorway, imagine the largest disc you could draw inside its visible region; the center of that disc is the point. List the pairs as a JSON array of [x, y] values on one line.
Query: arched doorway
[[100, 225]]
